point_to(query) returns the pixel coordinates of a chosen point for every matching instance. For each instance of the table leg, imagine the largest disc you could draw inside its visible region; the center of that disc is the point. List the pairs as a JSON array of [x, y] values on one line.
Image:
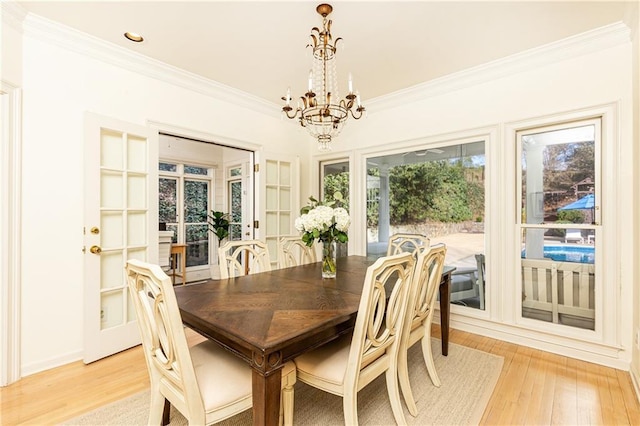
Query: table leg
[[183, 265], [266, 398], [445, 300]]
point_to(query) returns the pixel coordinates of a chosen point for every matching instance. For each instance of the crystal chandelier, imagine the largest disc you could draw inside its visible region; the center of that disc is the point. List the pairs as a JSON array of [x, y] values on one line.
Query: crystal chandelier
[[322, 112]]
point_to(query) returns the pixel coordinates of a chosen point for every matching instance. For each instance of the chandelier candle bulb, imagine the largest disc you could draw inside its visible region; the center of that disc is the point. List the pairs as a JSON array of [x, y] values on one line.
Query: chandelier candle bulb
[[310, 81], [350, 84]]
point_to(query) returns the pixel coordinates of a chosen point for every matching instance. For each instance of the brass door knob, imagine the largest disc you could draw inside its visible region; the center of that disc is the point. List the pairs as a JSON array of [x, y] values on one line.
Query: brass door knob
[[95, 249]]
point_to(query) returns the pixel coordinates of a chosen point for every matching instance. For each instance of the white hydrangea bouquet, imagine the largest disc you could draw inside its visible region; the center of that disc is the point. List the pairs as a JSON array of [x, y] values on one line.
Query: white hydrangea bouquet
[[321, 221]]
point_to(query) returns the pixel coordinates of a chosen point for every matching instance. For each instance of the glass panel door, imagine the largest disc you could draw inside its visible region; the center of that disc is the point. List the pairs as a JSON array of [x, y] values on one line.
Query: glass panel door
[[196, 208]]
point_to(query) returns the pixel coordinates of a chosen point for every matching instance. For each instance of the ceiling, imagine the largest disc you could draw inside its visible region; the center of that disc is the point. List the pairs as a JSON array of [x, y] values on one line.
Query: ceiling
[[259, 47]]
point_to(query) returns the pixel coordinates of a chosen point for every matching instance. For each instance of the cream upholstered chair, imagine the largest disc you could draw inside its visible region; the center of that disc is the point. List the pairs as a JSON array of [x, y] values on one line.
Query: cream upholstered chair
[[242, 257], [410, 243], [346, 365], [422, 298], [294, 252], [206, 383]]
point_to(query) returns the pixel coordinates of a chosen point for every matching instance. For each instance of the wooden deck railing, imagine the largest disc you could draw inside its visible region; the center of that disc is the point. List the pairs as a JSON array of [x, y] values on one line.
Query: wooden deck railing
[[562, 288]]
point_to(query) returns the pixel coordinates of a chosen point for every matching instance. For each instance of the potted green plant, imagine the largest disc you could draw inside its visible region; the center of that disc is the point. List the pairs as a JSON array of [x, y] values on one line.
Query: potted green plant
[[219, 225]]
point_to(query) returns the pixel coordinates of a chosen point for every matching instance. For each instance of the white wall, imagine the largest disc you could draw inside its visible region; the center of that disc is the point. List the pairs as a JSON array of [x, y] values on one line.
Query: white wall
[[578, 81], [59, 86]]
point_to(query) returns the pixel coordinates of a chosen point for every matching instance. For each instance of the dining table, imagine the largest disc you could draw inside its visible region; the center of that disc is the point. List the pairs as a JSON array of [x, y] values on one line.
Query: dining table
[[271, 317]]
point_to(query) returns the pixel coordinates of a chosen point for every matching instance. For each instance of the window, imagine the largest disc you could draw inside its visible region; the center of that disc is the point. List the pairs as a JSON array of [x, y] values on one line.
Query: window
[[235, 191], [185, 191], [559, 222], [438, 192]]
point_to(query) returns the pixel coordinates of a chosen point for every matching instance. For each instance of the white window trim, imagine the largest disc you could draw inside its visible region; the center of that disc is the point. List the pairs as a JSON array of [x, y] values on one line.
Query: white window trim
[[605, 345]]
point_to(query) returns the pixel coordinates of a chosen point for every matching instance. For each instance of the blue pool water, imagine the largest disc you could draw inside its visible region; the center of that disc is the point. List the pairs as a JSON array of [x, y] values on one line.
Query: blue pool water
[[564, 253]]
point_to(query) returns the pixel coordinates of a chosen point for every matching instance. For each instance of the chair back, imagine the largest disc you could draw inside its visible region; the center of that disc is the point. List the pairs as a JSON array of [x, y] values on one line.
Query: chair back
[[164, 249], [378, 327], [294, 252], [163, 340], [243, 257], [425, 282], [409, 243]]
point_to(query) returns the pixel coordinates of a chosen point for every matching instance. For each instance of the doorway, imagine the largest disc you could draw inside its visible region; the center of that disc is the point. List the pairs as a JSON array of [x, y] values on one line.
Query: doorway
[[197, 177]]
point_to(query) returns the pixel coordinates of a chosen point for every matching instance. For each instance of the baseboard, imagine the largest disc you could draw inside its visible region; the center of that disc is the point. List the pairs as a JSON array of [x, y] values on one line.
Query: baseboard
[[636, 382], [37, 367], [606, 355]]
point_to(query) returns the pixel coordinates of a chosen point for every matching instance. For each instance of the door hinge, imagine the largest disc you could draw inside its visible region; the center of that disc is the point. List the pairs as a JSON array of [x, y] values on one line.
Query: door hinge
[[256, 224], [256, 168]]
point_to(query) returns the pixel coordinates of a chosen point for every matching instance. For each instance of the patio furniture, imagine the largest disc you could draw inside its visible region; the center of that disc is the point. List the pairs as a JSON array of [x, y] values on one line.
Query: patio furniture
[[574, 236], [469, 283]]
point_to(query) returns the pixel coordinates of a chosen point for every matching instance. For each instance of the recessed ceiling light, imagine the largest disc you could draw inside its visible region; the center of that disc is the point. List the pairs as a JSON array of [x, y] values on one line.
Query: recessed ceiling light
[[135, 37]]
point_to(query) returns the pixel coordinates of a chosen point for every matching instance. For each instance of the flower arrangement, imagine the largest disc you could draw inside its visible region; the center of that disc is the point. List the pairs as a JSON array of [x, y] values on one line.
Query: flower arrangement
[[323, 222]]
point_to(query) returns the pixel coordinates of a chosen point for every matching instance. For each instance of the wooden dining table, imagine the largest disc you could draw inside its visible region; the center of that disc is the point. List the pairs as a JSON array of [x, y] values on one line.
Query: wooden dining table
[[270, 318]]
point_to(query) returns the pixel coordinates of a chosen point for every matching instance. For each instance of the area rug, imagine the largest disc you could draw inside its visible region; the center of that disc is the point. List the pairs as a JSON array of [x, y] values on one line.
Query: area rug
[[468, 378]]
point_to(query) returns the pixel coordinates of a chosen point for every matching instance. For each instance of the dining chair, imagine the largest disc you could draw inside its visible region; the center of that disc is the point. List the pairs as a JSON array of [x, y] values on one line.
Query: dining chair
[[403, 242], [206, 383], [294, 252], [243, 257], [346, 365], [425, 281]]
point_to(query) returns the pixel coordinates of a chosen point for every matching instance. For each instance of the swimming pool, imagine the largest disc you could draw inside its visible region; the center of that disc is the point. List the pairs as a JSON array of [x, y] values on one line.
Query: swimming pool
[[569, 253]]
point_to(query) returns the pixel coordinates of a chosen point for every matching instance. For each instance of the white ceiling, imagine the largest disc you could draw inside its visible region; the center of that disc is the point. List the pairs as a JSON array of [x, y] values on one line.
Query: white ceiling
[[259, 47]]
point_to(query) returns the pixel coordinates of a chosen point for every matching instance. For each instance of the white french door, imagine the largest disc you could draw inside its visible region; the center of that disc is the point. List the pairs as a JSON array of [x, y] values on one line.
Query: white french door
[[121, 222], [279, 203]]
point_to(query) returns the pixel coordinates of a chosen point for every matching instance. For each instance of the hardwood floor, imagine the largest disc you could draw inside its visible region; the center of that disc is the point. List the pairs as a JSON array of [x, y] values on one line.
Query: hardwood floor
[[535, 387]]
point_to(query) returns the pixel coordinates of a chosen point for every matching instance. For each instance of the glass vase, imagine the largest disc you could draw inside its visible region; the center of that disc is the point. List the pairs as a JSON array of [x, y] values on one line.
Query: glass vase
[[329, 259]]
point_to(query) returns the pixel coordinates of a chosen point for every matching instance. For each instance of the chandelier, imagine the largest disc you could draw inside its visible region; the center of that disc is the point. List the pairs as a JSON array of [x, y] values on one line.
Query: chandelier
[[322, 111]]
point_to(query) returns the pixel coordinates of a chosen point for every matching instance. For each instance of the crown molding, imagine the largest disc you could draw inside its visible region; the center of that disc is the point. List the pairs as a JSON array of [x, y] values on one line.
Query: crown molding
[[12, 14], [68, 38], [85, 44], [574, 46]]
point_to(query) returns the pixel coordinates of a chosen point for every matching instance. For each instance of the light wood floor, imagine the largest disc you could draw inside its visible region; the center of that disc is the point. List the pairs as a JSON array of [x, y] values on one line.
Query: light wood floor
[[535, 387]]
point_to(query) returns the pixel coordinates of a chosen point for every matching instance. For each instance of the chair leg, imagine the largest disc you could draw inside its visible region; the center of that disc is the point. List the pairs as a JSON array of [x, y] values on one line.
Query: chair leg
[[350, 408], [286, 406], [156, 408], [394, 395], [405, 384], [428, 357]]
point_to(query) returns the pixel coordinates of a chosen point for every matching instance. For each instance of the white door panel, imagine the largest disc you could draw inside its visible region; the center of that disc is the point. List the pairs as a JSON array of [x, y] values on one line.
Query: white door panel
[[121, 223], [279, 203]]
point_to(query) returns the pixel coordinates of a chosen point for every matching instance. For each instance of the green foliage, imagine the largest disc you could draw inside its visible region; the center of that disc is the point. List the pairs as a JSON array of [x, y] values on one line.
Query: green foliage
[[219, 224], [570, 216], [436, 191], [337, 184]]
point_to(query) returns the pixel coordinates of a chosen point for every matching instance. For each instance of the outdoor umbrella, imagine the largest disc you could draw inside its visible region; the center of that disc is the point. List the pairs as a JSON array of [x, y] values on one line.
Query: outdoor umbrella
[[586, 202]]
